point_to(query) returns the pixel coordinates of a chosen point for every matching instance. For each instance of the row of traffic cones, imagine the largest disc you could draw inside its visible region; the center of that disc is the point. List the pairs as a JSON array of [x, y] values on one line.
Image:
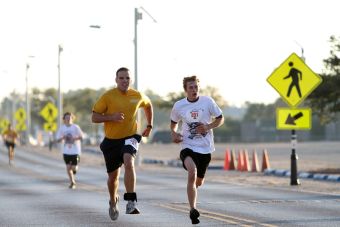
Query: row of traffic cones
[[243, 161]]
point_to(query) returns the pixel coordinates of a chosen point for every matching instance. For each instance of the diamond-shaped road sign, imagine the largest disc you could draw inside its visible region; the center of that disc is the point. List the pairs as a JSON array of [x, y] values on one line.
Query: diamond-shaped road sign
[[49, 112], [20, 115], [294, 80]]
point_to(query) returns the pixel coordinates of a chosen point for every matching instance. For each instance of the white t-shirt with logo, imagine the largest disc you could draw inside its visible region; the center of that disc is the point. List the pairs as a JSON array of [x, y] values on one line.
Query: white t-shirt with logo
[[193, 114], [70, 146]]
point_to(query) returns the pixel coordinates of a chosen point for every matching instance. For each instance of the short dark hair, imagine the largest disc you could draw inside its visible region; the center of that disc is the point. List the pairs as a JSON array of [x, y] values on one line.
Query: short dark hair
[[66, 114], [122, 69], [189, 79]]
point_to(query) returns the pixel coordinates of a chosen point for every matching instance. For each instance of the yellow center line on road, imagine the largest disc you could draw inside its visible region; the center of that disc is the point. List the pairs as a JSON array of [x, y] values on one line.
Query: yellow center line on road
[[218, 216]]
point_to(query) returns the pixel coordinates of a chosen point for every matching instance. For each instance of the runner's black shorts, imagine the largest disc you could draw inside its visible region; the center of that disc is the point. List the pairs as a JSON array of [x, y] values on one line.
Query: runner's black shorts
[[71, 159], [9, 144], [114, 149], [201, 160]]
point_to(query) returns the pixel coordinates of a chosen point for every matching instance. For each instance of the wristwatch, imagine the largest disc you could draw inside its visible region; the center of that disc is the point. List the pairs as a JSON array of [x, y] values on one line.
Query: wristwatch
[[149, 126]]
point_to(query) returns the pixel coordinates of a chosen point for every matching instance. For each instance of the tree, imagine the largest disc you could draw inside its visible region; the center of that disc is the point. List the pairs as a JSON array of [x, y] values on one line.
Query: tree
[[172, 97], [325, 99]]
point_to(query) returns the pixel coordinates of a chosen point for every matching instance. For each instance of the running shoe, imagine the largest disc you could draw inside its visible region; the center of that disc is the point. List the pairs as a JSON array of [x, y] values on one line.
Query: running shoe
[[72, 185], [131, 207], [194, 214], [113, 210]]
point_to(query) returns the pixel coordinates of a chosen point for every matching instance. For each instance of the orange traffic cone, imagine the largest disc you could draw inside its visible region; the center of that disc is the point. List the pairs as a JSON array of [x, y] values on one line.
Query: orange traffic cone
[[240, 161], [246, 166], [232, 165], [255, 163], [265, 161], [227, 160]]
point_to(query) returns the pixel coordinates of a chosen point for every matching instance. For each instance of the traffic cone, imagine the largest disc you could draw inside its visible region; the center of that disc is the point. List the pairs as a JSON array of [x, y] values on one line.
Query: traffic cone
[[246, 166], [265, 161], [240, 161], [255, 163], [227, 160], [232, 165]]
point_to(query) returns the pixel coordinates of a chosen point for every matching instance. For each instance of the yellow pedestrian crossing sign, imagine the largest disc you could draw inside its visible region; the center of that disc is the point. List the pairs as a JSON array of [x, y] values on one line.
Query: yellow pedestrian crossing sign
[[49, 112], [50, 126], [294, 80], [4, 124], [20, 115], [288, 119]]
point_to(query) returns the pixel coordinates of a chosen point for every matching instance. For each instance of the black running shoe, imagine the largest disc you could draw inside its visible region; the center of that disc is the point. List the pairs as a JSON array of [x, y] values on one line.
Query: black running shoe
[[194, 214]]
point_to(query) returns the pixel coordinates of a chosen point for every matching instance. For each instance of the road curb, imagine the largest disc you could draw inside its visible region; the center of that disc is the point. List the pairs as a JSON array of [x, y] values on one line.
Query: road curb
[[306, 175]]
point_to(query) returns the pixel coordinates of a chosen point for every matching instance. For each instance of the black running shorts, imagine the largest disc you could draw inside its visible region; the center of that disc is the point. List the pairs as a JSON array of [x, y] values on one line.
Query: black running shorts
[[114, 149], [71, 159], [201, 160], [9, 144]]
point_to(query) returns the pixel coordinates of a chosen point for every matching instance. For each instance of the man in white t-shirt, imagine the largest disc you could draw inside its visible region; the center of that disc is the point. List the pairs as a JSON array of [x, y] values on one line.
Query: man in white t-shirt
[[71, 135], [199, 115]]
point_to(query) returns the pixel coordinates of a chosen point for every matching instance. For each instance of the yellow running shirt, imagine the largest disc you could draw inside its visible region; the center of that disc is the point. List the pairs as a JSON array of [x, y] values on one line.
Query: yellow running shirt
[[128, 103], [10, 135]]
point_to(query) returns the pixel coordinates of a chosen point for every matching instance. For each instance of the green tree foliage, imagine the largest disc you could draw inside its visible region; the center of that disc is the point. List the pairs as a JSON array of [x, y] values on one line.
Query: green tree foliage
[[325, 99], [215, 94], [172, 97], [259, 112]]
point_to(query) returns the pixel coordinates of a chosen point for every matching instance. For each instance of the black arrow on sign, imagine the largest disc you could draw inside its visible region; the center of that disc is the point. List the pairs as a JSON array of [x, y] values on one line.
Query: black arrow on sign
[[291, 120]]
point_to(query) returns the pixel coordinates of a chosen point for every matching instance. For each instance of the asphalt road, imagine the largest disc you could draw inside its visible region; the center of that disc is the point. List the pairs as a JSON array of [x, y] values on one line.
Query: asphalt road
[[35, 193]]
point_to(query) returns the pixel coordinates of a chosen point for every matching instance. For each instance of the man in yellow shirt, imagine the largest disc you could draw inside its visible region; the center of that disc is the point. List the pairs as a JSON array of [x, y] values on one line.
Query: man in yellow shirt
[[117, 109], [10, 136]]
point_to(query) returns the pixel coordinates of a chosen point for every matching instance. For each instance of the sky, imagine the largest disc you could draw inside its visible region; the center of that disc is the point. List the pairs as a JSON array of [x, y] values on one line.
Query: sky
[[232, 45]]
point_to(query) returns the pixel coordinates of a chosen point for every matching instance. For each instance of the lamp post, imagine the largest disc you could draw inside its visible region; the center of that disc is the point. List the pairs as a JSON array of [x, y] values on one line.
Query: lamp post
[[138, 16], [60, 99], [28, 105]]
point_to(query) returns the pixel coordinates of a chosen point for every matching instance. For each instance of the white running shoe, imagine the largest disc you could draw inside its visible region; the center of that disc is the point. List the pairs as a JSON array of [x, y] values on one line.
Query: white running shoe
[[131, 207]]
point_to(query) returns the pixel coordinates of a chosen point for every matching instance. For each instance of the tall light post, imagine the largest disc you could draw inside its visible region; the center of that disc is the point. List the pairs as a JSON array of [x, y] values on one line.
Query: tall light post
[[138, 16], [28, 123], [60, 98], [28, 104]]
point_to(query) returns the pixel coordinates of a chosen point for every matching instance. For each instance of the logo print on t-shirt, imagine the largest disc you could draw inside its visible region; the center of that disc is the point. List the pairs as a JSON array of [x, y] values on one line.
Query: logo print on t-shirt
[[194, 114], [192, 129]]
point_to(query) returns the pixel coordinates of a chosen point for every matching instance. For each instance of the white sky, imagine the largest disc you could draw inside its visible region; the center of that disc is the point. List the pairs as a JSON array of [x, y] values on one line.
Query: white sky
[[233, 45]]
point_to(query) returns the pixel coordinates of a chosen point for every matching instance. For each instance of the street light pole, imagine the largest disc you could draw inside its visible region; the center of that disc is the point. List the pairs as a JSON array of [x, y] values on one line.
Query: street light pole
[[28, 111], [60, 100], [138, 16]]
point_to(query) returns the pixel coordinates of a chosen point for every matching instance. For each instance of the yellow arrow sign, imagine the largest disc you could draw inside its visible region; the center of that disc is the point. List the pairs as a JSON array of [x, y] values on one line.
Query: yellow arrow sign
[[294, 80], [49, 112], [20, 114], [21, 127], [50, 126], [287, 118]]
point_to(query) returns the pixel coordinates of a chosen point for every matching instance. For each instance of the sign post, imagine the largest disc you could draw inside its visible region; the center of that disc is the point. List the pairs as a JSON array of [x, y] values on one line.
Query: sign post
[[294, 81]]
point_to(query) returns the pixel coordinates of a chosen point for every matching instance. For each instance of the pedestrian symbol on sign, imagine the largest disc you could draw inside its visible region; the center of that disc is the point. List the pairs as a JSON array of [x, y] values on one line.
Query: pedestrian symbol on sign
[[295, 74]]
